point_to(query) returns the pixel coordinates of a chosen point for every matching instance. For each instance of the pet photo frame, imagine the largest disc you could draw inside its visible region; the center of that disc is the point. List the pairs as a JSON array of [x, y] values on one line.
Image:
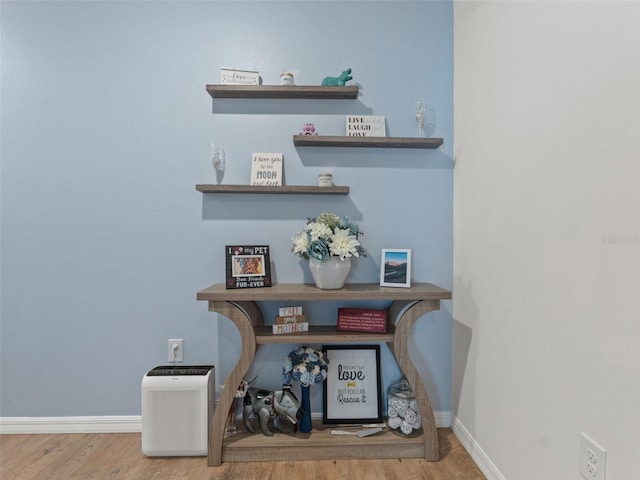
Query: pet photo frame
[[395, 267], [247, 266]]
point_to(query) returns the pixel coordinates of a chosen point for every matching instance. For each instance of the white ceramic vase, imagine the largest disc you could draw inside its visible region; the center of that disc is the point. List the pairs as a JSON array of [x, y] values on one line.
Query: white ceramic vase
[[331, 274]]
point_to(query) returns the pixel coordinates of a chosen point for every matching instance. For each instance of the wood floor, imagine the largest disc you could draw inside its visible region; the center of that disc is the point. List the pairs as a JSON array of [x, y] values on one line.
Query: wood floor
[[117, 456]]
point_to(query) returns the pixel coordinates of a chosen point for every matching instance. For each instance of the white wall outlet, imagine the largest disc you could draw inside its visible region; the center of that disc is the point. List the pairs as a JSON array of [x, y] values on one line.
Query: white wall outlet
[[593, 459], [176, 350]]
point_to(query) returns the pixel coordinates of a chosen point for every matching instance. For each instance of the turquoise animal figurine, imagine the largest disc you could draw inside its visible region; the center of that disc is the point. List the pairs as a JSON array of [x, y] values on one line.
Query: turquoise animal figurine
[[338, 81]]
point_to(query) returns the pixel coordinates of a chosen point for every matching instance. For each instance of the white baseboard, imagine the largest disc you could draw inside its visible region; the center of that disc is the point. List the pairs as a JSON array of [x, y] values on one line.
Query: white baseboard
[[443, 419], [475, 451], [110, 424], [106, 424]]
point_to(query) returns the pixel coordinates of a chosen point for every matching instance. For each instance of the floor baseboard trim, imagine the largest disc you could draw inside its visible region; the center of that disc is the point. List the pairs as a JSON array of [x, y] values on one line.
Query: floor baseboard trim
[[443, 419], [110, 424], [475, 451], [104, 424]]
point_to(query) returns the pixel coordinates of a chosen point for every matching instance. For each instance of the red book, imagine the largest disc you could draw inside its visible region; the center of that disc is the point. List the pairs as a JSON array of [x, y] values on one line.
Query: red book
[[362, 320]]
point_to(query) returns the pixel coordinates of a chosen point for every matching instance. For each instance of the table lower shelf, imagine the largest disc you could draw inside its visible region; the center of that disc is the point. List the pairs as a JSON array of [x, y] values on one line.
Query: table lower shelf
[[321, 334], [319, 444]]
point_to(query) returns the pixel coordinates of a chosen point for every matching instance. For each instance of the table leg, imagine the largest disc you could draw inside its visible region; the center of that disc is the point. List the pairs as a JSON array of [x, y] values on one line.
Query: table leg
[[244, 316], [404, 326]]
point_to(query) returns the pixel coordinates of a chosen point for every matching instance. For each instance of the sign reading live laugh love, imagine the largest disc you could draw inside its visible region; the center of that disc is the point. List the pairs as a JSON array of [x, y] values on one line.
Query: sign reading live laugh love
[[266, 169], [366, 126]]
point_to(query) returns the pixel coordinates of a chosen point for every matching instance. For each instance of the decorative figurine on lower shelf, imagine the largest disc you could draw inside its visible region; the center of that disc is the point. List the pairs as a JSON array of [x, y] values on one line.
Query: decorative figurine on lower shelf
[[267, 404], [308, 129], [338, 81]]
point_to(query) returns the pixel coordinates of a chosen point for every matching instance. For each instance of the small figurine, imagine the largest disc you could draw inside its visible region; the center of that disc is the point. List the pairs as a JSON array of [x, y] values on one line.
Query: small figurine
[[308, 129], [265, 404], [338, 81]]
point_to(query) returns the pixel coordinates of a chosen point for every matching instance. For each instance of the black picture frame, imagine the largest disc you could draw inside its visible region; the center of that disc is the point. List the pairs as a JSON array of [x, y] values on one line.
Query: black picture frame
[[247, 266], [352, 391]]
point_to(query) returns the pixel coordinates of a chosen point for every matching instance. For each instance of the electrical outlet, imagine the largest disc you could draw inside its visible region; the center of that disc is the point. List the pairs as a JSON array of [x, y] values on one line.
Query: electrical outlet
[[593, 459], [176, 350]]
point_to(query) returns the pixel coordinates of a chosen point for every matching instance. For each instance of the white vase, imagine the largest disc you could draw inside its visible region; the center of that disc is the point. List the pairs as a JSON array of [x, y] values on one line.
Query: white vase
[[331, 274]]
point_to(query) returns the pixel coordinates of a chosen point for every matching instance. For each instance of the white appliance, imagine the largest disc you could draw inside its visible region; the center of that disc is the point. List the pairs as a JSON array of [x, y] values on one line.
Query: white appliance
[[177, 407]]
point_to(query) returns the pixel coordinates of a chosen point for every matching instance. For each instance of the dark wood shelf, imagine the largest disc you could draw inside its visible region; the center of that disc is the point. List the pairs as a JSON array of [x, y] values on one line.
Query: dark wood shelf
[[367, 142], [284, 189], [281, 91]]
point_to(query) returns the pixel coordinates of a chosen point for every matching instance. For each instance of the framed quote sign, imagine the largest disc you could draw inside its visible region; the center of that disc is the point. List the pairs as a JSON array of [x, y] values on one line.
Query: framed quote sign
[[352, 391], [266, 169]]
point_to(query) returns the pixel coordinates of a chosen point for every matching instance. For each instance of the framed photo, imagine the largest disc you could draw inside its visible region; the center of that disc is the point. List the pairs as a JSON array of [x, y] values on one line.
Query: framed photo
[[248, 266], [395, 268], [352, 390]]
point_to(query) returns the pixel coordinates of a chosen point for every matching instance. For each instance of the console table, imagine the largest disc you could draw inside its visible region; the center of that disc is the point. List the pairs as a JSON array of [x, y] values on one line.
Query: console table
[[240, 306]]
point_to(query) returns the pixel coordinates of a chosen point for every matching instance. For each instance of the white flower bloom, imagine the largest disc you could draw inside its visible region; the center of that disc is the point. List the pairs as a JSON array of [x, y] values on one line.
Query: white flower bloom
[[318, 230], [343, 244], [300, 243]]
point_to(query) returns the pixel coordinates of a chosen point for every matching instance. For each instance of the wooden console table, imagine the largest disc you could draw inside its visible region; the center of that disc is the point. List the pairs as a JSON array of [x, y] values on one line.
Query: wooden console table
[[407, 305]]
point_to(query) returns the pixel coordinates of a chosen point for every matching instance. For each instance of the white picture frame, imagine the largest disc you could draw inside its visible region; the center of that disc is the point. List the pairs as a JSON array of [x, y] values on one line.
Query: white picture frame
[[395, 267]]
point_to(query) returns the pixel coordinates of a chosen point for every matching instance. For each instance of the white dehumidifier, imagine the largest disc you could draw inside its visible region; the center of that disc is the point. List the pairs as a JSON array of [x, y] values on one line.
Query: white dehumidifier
[[177, 407]]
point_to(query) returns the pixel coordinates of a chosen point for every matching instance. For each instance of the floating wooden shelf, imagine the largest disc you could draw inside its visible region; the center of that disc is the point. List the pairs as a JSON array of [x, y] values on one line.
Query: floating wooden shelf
[[280, 91], [284, 189], [369, 142]]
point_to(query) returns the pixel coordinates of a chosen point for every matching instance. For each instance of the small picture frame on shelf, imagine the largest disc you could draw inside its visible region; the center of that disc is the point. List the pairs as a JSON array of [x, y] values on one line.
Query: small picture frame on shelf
[[395, 268], [247, 266], [352, 391]]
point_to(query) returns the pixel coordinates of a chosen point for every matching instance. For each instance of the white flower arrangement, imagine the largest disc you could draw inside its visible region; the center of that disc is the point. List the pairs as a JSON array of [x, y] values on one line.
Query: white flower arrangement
[[328, 235]]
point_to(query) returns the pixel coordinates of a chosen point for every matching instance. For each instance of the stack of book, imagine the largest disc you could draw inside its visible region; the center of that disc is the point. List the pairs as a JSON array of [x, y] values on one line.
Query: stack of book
[[290, 320]]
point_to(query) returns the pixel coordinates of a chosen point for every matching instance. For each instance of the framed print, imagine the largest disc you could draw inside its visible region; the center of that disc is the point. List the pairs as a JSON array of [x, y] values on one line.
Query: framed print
[[247, 266], [395, 268], [352, 390]]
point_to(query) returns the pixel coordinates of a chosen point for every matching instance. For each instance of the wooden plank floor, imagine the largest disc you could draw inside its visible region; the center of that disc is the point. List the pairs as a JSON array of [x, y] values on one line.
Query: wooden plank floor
[[116, 456]]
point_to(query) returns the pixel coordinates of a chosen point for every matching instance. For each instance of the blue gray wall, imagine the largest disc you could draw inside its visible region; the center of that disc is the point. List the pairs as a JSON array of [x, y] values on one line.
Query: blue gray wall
[[106, 129]]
